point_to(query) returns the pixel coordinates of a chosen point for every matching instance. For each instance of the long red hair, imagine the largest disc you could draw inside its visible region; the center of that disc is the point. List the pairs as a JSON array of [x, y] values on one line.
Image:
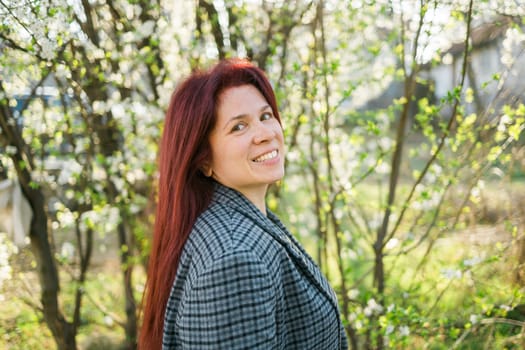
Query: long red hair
[[183, 191]]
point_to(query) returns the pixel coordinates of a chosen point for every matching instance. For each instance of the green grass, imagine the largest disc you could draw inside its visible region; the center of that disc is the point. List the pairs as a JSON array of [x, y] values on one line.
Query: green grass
[[22, 326]]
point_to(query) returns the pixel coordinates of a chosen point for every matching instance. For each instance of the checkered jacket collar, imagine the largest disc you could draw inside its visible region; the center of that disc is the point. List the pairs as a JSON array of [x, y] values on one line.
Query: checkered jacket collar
[[273, 226]]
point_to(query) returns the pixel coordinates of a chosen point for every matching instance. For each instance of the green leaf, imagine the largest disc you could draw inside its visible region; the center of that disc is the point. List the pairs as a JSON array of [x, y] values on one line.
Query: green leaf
[[34, 185]]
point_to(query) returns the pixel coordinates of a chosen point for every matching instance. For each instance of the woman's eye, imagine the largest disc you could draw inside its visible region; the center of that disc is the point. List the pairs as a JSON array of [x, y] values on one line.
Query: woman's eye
[[238, 127], [266, 116]]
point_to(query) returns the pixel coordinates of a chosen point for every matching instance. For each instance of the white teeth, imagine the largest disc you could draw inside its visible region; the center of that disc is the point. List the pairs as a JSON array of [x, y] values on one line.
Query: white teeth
[[266, 156]]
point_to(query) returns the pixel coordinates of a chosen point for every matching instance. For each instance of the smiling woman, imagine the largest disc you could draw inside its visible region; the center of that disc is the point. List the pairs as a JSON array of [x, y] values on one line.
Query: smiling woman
[[224, 273]]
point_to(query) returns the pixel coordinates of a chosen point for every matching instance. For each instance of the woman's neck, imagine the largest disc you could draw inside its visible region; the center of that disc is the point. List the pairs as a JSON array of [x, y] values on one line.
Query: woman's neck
[[257, 197]]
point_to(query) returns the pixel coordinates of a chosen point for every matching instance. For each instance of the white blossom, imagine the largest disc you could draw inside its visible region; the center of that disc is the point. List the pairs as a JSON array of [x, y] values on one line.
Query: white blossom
[[385, 143], [99, 107], [353, 293], [474, 319], [98, 174], [67, 251], [392, 243], [66, 218], [135, 175], [118, 110], [451, 273], [504, 121], [104, 219], [108, 321], [372, 308], [404, 331], [70, 169], [145, 29], [505, 307], [473, 261], [10, 149], [514, 40], [81, 145]]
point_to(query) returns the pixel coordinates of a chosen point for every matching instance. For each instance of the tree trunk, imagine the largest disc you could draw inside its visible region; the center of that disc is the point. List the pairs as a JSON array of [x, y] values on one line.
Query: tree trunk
[[63, 332], [127, 273]]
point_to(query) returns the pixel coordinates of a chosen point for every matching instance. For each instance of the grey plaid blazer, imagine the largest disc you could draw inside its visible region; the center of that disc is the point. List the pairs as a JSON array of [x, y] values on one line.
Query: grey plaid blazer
[[243, 282]]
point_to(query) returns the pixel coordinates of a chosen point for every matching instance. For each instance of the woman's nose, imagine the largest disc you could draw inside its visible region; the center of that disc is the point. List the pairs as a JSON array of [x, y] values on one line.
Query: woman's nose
[[262, 133]]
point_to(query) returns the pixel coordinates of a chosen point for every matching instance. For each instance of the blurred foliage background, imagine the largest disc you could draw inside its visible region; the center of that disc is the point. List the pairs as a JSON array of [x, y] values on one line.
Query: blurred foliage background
[[405, 167]]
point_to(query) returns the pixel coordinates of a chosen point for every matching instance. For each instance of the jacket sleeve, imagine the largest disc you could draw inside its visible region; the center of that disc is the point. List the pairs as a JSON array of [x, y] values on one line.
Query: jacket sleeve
[[344, 340], [231, 305]]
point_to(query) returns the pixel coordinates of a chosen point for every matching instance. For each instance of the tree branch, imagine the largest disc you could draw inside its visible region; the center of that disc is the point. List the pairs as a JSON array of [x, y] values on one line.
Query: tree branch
[[450, 125]]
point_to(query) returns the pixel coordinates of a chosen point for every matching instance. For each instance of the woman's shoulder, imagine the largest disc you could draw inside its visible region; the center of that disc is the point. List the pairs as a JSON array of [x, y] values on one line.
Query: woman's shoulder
[[222, 230], [226, 224]]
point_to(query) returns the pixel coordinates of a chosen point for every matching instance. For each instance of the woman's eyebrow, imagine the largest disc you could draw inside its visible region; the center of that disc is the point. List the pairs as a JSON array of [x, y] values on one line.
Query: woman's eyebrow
[[244, 115]]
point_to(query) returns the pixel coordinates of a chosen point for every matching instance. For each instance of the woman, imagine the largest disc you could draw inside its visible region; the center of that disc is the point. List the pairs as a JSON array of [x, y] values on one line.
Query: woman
[[224, 273]]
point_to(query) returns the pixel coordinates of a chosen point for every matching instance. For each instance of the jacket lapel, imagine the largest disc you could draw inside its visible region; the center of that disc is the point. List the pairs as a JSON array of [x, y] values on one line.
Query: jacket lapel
[[302, 258]]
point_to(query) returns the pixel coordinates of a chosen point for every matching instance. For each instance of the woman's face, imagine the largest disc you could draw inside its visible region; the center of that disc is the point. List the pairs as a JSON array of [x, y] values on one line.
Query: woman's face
[[247, 142]]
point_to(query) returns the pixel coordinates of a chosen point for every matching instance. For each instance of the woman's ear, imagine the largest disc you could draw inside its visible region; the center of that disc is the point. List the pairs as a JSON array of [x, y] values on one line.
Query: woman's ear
[[206, 170]]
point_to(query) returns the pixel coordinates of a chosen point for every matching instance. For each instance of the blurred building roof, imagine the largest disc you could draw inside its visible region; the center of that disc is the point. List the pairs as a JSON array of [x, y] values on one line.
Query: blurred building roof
[[483, 35]]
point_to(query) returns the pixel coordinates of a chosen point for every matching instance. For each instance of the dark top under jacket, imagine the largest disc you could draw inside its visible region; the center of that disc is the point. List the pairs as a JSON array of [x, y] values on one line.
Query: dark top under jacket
[[243, 282]]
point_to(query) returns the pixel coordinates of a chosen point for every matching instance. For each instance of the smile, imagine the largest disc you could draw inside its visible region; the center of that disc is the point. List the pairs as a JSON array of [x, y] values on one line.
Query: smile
[[266, 156]]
